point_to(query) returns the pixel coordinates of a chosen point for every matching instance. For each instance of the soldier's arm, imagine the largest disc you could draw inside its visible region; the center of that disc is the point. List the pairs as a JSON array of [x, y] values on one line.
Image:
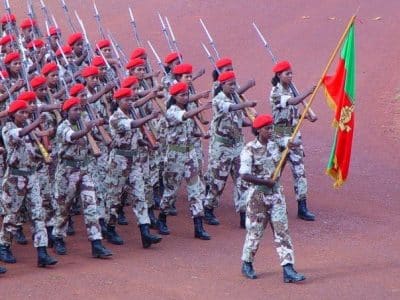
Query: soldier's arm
[[194, 112], [249, 84]]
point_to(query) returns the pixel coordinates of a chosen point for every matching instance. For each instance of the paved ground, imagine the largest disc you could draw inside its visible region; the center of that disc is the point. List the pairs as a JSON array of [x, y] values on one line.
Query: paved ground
[[350, 252]]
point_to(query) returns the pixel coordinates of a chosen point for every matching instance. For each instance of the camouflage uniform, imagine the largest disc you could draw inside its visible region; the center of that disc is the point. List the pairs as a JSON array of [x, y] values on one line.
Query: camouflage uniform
[[181, 162], [73, 177], [125, 173], [21, 187], [224, 155], [286, 117], [264, 204]]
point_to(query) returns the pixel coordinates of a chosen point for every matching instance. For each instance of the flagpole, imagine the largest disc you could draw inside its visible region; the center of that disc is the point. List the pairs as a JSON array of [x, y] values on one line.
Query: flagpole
[[307, 107]]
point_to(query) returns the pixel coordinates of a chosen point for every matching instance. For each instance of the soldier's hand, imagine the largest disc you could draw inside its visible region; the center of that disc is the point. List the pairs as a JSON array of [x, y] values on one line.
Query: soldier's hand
[[207, 105], [155, 113], [311, 90], [251, 83], [201, 72], [293, 145], [205, 94], [99, 122], [270, 182], [252, 103], [42, 118]]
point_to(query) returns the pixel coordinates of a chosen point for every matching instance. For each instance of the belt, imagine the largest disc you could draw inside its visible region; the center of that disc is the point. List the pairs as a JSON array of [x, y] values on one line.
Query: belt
[[284, 130], [227, 141], [182, 149], [18, 172], [126, 153], [76, 163], [266, 190]]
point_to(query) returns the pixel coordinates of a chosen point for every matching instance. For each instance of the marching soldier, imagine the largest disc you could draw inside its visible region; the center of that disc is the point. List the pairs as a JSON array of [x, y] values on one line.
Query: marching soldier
[[265, 201], [21, 183], [227, 143], [73, 179], [286, 116], [181, 160]]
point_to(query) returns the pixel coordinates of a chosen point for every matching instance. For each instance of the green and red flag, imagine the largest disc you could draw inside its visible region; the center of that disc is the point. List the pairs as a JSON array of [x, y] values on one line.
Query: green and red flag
[[340, 90]]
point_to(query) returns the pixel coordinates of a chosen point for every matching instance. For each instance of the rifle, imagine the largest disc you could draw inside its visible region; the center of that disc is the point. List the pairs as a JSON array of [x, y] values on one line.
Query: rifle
[[134, 28], [174, 42], [97, 17], [210, 39], [92, 142], [32, 16], [165, 32], [45, 12], [116, 47], [249, 111], [66, 12], [295, 91], [146, 132], [87, 43]]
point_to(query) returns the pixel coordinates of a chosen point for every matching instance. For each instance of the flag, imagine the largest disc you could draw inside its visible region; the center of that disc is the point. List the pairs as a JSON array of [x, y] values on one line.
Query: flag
[[340, 90]]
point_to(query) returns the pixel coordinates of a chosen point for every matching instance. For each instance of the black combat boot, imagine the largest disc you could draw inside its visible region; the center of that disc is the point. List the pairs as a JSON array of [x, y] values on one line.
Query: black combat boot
[[243, 220], [70, 228], [248, 271], [50, 236], [44, 259], [59, 246], [147, 237], [162, 224], [6, 255], [152, 217], [121, 216], [20, 236], [199, 231], [303, 212], [113, 237], [103, 227], [2, 270], [99, 251], [209, 216], [172, 211], [290, 274]]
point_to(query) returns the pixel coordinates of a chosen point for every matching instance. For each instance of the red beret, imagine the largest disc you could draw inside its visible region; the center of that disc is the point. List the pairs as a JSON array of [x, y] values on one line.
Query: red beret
[[225, 76], [178, 88], [53, 30], [129, 81], [89, 71], [28, 96], [262, 120], [16, 106], [6, 39], [70, 103], [7, 18], [73, 38], [5, 74], [11, 56], [223, 62], [66, 49], [27, 23], [171, 57], [133, 63], [49, 67], [98, 61], [182, 69], [281, 66], [103, 43], [38, 81], [35, 44], [122, 93], [76, 89], [137, 53]]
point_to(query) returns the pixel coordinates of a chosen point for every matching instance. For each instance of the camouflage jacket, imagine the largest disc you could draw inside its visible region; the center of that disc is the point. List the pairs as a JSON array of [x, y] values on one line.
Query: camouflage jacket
[[67, 148], [22, 152], [284, 113], [180, 132], [123, 135], [226, 123]]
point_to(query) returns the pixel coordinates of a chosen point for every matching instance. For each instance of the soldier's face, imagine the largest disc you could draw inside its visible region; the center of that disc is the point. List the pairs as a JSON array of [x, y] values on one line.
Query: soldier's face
[[139, 72], [75, 113], [265, 133], [21, 116], [187, 78], [182, 98], [52, 78], [102, 71], [53, 41], [78, 47], [226, 68], [229, 87], [125, 103], [92, 81], [174, 63], [286, 76], [106, 52], [41, 91], [15, 66]]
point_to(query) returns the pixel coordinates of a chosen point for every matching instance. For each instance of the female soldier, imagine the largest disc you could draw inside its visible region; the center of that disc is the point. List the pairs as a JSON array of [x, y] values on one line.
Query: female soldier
[[286, 116], [265, 201]]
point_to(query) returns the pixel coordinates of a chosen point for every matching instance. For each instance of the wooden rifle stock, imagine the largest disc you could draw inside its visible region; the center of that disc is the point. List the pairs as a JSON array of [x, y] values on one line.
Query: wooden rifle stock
[[200, 126], [200, 115], [46, 157], [250, 112], [145, 131], [92, 142], [45, 139], [103, 132]]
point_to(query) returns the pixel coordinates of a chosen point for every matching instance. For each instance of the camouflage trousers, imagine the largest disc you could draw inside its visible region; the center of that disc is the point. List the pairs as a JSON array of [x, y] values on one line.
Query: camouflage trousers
[[224, 160], [125, 176], [296, 159], [22, 191], [199, 154], [181, 163], [2, 170], [98, 171], [71, 182], [148, 182], [261, 210], [46, 182]]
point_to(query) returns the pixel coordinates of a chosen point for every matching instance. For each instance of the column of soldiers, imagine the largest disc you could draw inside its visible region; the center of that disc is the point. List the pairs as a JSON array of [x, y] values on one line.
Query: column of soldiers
[[79, 129]]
